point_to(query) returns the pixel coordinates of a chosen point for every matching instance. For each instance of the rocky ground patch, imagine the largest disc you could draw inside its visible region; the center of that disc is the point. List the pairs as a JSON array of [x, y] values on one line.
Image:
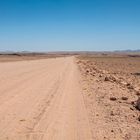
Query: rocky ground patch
[[111, 97]]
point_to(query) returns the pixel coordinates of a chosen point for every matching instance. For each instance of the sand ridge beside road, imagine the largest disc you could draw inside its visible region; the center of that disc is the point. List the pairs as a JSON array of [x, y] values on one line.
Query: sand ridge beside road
[[42, 100]]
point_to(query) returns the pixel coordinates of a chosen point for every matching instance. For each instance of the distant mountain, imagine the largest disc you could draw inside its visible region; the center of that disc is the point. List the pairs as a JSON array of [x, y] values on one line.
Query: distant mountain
[[127, 51]]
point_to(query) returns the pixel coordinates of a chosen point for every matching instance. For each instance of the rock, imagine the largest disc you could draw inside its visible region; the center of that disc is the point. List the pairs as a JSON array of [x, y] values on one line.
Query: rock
[[22, 120], [123, 83], [137, 93], [107, 78], [112, 113], [139, 118], [131, 108], [87, 71], [113, 98], [112, 130], [137, 73], [128, 84], [113, 78], [124, 98], [100, 75], [93, 74], [110, 78], [132, 103], [138, 104], [130, 87]]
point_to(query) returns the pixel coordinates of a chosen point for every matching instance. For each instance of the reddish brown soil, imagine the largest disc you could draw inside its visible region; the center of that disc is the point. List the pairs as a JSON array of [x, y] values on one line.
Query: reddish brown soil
[[111, 88]]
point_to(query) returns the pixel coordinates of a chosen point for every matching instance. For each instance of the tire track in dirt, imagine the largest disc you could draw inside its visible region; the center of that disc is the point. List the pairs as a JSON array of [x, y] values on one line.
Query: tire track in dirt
[[23, 92], [49, 104], [22, 81]]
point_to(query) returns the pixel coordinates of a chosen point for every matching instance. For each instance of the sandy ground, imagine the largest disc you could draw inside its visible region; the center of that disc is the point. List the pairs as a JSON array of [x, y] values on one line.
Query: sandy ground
[[69, 98], [27, 56], [42, 100]]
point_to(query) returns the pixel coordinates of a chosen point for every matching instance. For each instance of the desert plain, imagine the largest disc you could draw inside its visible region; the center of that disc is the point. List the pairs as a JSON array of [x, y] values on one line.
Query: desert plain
[[70, 97]]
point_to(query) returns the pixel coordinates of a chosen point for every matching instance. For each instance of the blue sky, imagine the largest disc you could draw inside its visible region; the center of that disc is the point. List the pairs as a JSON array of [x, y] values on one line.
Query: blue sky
[[69, 25]]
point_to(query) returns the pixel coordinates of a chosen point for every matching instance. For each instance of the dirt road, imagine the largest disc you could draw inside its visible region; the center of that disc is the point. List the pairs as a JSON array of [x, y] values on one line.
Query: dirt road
[[42, 100]]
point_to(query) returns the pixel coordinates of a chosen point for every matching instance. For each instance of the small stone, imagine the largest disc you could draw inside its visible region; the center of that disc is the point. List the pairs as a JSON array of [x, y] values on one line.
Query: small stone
[[124, 98], [111, 113], [87, 71], [113, 98], [138, 104], [106, 78], [131, 108], [123, 83], [132, 103], [22, 120], [100, 75], [93, 74], [138, 93], [130, 87], [139, 118], [128, 84]]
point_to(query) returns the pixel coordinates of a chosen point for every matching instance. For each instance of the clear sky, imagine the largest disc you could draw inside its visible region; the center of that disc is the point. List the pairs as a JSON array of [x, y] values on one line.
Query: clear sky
[[62, 25]]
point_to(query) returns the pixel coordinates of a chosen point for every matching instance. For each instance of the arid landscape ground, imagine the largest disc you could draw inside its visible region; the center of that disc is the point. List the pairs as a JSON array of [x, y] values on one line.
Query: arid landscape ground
[[111, 88], [82, 97]]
